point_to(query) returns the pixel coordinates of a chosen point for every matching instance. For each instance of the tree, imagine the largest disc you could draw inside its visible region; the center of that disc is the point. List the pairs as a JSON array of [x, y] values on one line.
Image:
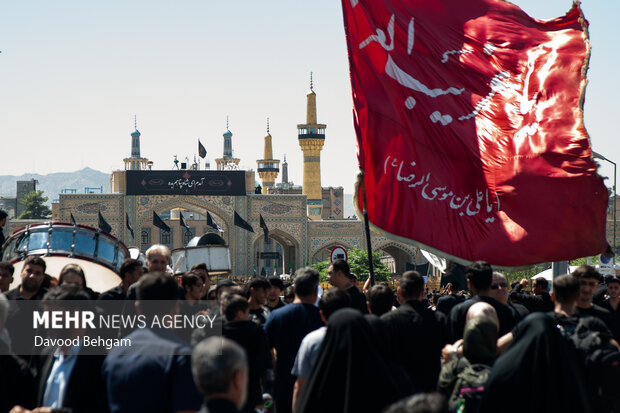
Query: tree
[[358, 263], [34, 202]]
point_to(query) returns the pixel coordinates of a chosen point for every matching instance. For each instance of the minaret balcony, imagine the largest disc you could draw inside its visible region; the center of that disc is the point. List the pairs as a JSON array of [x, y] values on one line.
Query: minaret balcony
[[301, 135]]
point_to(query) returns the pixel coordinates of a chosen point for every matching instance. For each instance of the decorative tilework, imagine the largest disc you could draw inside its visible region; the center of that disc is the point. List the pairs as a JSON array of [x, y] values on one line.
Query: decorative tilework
[[91, 208], [285, 216]]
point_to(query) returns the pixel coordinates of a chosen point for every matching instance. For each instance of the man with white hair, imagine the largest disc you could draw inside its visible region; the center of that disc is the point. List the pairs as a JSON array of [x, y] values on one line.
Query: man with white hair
[[220, 370], [157, 257]]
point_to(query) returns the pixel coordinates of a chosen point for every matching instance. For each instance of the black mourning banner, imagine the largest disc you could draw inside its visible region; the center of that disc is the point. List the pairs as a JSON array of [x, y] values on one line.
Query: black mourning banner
[[185, 182]]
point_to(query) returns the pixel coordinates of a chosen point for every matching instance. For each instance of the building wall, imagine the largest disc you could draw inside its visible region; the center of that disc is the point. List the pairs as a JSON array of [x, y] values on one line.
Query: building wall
[[304, 241], [332, 198]]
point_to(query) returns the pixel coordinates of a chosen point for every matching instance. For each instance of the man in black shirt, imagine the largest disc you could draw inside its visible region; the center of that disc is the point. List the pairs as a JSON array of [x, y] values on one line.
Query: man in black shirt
[[612, 304], [274, 292], [446, 303], [479, 278], [340, 276], [588, 278], [257, 296], [253, 339], [540, 300], [416, 334], [32, 275], [131, 271]]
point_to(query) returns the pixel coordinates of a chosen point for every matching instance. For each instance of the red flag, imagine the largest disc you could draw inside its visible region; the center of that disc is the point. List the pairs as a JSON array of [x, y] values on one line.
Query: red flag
[[469, 121]]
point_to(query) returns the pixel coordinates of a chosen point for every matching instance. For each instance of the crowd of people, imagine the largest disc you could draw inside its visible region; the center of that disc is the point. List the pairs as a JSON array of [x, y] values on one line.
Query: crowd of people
[[287, 348]]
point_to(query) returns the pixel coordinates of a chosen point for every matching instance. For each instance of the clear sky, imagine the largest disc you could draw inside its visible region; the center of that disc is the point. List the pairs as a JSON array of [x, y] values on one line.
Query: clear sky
[[73, 73]]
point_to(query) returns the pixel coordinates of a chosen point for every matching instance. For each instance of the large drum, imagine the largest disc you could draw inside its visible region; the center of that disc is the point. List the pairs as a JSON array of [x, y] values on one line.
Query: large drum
[[98, 253], [209, 249]]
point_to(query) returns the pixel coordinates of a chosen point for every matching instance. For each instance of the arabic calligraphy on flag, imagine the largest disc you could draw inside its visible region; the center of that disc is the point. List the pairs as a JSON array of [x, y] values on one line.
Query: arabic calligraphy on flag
[[469, 121]]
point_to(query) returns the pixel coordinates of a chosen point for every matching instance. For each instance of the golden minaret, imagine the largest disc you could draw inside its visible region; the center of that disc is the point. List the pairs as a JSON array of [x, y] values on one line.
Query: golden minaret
[[311, 136], [268, 168]]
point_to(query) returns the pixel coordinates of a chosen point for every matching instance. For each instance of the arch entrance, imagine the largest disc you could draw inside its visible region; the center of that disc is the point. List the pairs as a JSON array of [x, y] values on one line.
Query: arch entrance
[[278, 254]]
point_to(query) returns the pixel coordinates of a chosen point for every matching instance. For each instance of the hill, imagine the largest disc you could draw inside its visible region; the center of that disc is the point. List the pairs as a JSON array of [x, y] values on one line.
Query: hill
[[52, 184]]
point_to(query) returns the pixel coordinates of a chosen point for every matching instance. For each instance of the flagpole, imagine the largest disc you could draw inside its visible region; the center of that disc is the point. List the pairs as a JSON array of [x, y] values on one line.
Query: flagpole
[[367, 230]]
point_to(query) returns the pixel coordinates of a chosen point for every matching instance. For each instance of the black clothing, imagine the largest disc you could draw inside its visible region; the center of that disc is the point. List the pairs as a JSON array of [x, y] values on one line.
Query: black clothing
[[116, 293], [446, 303], [221, 406], [345, 376], [597, 311], [416, 337], [599, 295], [22, 342], [379, 330], [260, 315], [533, 302], [541, 368], [253, 339], [358, 299], [85, 391], [507, 316], [15, 294], [279, 305], [521, 310], [2, 239], [614, 317], [17, 384]]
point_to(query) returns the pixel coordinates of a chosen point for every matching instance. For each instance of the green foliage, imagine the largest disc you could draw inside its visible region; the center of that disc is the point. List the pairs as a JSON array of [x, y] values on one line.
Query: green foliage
[[34, 202], [535, 269], [358, 262], [322, 268]]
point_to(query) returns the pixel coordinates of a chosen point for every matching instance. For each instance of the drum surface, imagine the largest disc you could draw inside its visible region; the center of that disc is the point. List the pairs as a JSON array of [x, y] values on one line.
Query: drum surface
[[98, 253], [98, 277]]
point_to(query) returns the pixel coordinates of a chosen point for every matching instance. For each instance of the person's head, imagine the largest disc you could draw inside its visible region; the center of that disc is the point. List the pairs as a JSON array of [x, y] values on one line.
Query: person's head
[[380, 299], [306, 283], [540, 285], [480, 339], [157, 257], [203, 272], [257, 290], [289, 294], [453, 288], [613, 288], [565, 290], [481, 309], [223, 286], [220, 370], [276, 287], [479, 277], [332, 300], [499, 288], [235, 308], [66, 297], [193, 285], [131, 271], [588, 283], [65, 292], [33, 273], [411, 286], [339, 274], [3, 216], [157, 294], [72, 274], [6, 275]]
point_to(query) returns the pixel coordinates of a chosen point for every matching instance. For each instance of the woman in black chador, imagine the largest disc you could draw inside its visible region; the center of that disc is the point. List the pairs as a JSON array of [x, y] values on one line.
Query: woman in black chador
[[351, 374]]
